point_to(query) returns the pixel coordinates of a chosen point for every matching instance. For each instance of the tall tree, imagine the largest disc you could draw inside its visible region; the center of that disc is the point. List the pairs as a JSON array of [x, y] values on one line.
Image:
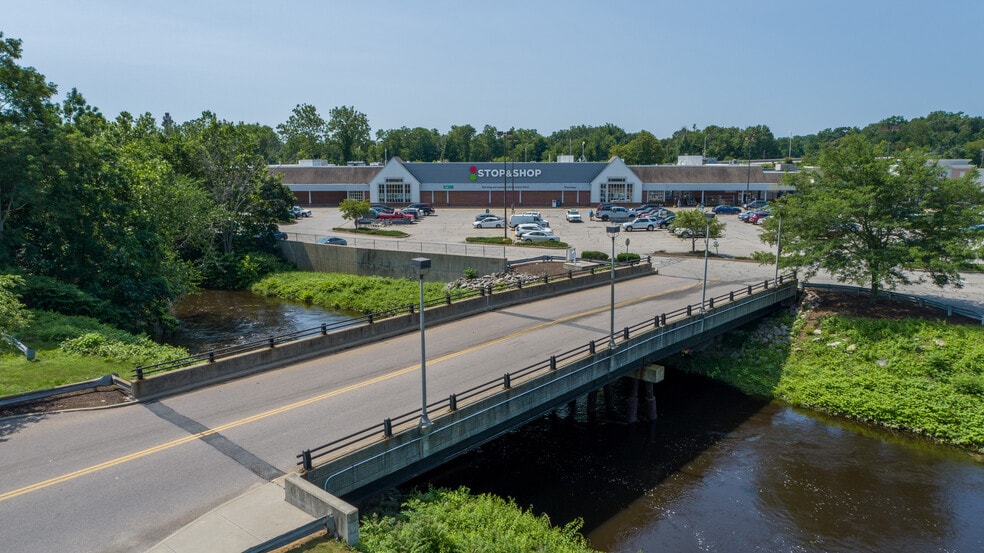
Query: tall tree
[[349, 131], [29, 126], [304, 135], [878, 221]]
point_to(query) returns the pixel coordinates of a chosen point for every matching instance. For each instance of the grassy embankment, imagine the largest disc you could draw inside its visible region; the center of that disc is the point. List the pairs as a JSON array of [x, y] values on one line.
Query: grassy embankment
[[918, 376], [72, 349]]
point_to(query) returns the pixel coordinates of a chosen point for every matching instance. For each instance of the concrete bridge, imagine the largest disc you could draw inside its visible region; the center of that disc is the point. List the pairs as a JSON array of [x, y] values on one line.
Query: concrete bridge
[[397, 448]]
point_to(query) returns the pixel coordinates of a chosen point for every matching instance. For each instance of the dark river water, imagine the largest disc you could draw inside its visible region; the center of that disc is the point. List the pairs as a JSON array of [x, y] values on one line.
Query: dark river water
[[716, 472]]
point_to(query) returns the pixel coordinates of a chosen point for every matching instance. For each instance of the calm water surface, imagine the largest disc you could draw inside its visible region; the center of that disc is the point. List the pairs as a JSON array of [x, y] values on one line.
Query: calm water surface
[[217, 318], [717, 472], [720, 472]]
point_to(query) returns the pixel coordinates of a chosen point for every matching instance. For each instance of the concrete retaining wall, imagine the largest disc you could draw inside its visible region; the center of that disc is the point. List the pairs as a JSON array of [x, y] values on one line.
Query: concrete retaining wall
[[386, 263], [227, 368]]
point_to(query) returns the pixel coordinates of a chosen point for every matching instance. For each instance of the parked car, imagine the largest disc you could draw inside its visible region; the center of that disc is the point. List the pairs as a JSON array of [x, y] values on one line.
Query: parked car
[[333, 241], [616, 214], [521, 218], [757, 204], [523, 228], [426, 209], [642, 223], [490, 222], [412, 211], [726, 209], [573, 216], [756, 215], [395, 215], [486, 215], [540, 236], [382, 207], [665, 222], [299, 211]]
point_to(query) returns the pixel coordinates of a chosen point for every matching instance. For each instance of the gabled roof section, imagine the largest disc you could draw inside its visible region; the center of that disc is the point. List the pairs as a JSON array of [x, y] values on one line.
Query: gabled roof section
[[338, 174]]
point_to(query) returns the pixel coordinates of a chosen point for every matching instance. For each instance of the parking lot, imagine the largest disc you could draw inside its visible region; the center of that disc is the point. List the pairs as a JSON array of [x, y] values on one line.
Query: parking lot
[[452, 226]]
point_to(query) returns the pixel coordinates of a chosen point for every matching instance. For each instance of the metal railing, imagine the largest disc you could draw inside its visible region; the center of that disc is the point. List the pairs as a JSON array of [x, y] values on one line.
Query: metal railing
[[667, 320], [949, 309], [273, 341]]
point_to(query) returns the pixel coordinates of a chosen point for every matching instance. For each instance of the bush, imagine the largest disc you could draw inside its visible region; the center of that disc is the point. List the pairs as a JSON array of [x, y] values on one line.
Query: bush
[[470, 273], [626, 257], [446, 520], [594, 255]]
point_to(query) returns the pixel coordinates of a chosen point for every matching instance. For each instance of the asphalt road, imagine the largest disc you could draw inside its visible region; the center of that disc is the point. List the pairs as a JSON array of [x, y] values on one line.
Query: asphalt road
[[122, 479]]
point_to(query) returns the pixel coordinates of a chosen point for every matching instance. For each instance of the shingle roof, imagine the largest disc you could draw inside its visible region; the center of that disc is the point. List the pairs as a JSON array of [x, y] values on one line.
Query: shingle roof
[[327, 175]]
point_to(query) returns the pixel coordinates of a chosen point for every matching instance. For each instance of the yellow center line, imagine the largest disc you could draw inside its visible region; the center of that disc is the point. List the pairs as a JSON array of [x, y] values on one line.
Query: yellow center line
[[272, 412]]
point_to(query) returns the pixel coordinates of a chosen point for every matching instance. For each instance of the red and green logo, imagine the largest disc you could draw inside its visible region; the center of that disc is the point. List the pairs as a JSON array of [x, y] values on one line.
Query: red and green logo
[[474, 173]]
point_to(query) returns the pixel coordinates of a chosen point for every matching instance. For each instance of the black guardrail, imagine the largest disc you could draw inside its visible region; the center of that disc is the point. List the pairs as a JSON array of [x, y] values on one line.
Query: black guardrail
[[386, 428], [273, 341], [949, 309]]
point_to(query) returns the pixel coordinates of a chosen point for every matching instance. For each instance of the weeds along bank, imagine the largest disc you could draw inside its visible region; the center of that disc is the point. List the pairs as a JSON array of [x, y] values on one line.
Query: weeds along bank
[[915, 375]]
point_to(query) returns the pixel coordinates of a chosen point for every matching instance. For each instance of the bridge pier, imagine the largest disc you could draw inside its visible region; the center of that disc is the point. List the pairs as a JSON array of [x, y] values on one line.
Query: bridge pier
[[650, 402], [632, 409], [592, 401], [609, 397]]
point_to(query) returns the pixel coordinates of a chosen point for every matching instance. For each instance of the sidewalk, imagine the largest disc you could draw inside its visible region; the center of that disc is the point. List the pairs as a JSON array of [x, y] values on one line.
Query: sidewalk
[[255, 517]]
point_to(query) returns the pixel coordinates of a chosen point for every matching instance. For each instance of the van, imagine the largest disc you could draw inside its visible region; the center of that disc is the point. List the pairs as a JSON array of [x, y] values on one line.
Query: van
[[521, 218]]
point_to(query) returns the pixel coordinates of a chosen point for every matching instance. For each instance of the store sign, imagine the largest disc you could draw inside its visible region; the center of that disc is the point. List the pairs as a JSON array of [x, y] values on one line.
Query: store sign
[[477, 173]]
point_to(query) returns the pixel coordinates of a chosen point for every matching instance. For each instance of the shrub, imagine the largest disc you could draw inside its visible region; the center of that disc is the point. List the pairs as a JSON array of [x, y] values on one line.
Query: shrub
[[594, 255], [626, 257], [470, 273]]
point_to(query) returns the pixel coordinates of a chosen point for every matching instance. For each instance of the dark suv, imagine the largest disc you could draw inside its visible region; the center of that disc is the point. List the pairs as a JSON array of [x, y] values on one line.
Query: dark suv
[[426, 209]]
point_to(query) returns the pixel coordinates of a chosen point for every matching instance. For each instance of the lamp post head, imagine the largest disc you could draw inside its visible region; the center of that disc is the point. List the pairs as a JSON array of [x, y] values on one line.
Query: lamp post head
[[422, 264], [612, 230]]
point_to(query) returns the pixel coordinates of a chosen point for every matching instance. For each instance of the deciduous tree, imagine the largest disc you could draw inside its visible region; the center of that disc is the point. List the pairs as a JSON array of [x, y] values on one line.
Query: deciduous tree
[[878, 221]]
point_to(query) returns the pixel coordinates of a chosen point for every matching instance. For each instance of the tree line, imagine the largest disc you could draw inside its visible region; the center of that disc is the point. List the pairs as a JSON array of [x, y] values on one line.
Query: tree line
[[116, 217]]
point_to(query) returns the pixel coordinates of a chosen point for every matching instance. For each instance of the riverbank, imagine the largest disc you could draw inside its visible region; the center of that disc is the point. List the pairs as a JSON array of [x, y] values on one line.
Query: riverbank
[[889, 364]]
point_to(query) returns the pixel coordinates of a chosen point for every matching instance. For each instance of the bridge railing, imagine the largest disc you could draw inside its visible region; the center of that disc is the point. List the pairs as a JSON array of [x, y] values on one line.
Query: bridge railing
[[949, 309], [387, 428], [369, 318]]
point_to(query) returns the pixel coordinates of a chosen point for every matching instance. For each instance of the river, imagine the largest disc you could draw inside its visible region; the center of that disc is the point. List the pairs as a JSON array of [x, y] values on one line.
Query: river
[[716, 472]]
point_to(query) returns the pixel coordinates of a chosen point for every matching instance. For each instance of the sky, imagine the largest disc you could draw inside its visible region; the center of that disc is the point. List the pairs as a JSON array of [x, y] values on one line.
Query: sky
[[796, 66]]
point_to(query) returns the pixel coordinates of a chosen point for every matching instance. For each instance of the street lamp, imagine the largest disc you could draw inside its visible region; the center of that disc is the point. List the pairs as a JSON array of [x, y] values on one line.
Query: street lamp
[[612, 232], [707, 235], [423, 265], [582, 150], [505, 182]]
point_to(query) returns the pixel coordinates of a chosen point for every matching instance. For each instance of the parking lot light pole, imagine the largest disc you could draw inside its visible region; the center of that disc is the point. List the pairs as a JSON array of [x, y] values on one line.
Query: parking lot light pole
[[612, 231], [423, 265], [505, 182], [707, 236]]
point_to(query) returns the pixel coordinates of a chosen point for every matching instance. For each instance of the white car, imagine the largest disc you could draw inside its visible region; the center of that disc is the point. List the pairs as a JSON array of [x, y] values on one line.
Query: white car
[[491, 222], [642, 223], [299, 211], [573, 216], [524, 228], [539, 236]]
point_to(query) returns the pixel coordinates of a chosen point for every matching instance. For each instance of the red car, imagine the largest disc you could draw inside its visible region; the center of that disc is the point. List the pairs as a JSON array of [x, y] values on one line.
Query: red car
[[396, 215]]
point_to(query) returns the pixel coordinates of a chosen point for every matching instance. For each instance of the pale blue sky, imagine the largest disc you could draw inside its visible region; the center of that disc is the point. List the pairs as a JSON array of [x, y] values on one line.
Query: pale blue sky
[[798, 67]]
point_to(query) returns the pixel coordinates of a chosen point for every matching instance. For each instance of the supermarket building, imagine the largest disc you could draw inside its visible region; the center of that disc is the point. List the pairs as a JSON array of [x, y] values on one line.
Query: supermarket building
[[537, 184]]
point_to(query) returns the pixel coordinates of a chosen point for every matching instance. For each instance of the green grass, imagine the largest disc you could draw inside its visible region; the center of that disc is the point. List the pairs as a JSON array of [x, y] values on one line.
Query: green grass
[[919, 376], [72, 349], [344, 292]]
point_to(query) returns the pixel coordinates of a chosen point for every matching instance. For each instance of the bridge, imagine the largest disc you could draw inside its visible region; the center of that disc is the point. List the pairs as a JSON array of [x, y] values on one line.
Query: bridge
[[407, 444]]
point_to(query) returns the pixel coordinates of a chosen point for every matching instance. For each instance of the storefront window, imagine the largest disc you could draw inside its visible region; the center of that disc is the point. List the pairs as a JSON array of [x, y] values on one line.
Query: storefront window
[[616, 191], [394, 192]]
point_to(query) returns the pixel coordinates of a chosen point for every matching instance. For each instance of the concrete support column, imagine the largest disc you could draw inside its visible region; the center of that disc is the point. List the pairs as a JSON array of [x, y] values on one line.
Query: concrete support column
[[650, 402], [609, 397], [632, 408], [572, 408], [592, 401]]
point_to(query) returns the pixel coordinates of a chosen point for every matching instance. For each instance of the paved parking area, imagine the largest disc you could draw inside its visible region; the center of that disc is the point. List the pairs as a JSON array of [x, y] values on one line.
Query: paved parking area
[[455, 224], [448, 229]]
